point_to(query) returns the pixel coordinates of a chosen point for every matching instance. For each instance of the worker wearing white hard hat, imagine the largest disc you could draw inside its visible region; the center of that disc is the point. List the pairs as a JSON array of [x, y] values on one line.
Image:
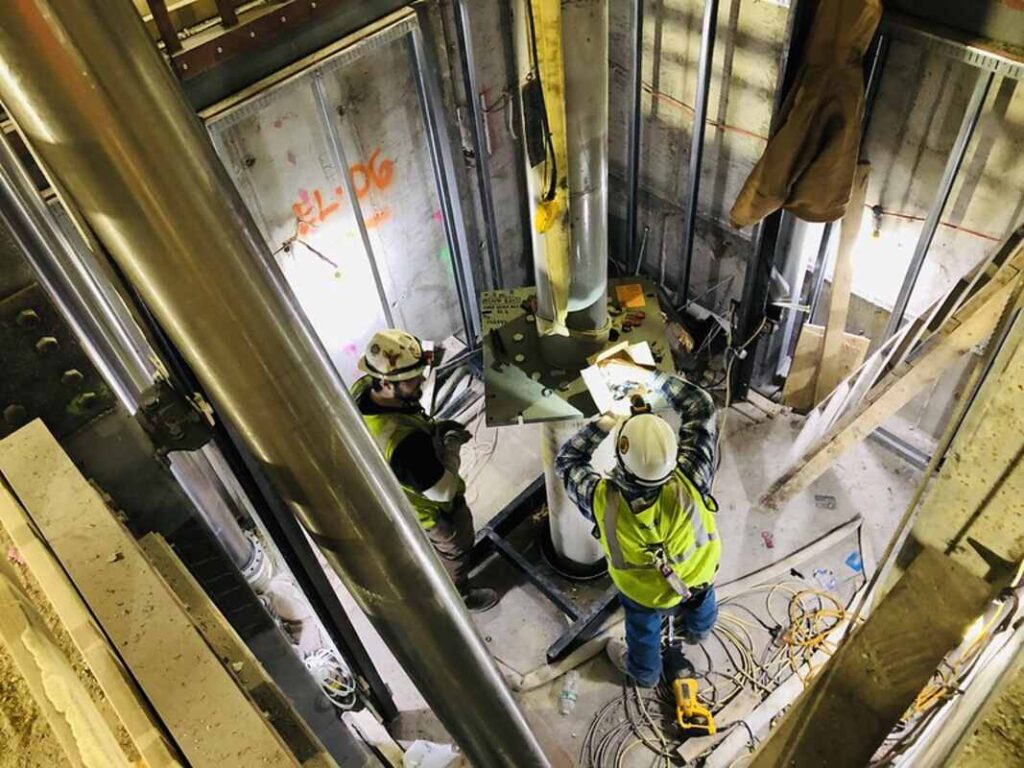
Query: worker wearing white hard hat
[[654, 515], [422, 452]]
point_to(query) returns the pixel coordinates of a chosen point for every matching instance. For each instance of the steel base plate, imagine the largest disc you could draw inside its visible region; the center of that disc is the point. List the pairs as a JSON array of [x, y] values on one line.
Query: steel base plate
[[520, 387]]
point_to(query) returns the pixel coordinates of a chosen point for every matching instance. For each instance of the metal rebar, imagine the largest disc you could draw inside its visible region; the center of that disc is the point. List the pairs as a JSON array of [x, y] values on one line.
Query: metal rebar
[[820, 268], [700, 111], [931, 222], [341, 163]]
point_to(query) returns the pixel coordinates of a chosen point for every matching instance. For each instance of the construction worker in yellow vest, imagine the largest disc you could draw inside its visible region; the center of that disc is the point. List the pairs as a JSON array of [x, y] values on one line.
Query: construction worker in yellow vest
[[654, 515], [422, 452]]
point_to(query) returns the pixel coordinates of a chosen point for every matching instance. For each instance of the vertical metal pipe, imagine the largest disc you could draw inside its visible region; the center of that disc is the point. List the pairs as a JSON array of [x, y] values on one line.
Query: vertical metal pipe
[[443, 166], [53, 258], [635, 127], [113, 124], [585, 63], [341, 163], [71, 283], [820, 268], [931, 222], [571, 535], [477, 130], [878, 59], [700, 112]]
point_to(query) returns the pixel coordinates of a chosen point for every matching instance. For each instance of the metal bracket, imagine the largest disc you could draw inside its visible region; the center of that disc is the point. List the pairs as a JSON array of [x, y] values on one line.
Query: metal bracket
[[493, 538], [173, 421]]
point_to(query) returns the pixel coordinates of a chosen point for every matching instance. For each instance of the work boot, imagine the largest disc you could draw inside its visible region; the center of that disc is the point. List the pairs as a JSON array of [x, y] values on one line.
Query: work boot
[[616, 650], [479, 599]]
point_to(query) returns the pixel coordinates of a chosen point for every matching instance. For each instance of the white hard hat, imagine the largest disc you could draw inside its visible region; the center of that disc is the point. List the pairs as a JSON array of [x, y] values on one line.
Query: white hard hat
[[394, 355], [646, 448]]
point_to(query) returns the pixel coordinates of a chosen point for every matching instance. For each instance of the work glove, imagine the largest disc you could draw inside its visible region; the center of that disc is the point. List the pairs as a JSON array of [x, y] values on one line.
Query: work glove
[[607, 422], [449, 437]]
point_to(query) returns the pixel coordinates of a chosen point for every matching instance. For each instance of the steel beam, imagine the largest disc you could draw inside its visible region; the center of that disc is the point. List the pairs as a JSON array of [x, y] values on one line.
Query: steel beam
[[700, 113], [467, 60], [635, 128], [931, 222], [445, 173], [341, 163], [112, 124]]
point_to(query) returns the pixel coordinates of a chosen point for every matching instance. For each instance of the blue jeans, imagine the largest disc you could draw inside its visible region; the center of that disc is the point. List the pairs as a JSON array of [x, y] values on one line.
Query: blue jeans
[[694, 618]]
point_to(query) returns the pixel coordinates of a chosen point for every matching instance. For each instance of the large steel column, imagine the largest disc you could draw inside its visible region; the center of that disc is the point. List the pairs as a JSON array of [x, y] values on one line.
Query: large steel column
[[565, 45], [576, 552], [585, 59], [92, 94]]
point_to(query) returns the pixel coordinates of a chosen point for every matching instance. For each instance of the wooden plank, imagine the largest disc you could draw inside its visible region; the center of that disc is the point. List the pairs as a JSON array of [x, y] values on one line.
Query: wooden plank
[[895, 391], [232, 650], [798, 392], [1001, 267], [76, 722], [830, 369], [212, 720], [377, 736], [976, 495], [111, 676], [873, 677]]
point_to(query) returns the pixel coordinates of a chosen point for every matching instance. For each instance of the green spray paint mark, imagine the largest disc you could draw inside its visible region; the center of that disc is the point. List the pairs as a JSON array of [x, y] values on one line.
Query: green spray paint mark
[[446, 259]]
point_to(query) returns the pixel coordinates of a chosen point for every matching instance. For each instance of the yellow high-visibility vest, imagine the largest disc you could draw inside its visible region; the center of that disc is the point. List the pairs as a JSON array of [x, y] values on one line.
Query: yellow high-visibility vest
[[388, 430], [678, 529]]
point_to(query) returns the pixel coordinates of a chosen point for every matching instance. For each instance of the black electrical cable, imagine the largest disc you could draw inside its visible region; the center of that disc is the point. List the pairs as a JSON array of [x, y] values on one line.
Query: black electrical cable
[[552, 172]]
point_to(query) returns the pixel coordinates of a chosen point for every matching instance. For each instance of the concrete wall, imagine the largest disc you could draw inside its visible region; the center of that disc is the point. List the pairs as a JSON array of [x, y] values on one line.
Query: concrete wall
[[278, 149], [744, 79]]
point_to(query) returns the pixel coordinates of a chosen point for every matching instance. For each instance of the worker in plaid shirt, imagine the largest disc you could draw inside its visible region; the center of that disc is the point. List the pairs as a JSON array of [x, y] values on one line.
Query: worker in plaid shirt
[[654, 515]]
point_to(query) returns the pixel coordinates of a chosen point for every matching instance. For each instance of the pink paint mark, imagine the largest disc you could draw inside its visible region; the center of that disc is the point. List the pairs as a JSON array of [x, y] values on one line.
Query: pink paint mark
[[303, 195], [291, 157], [350, 349], [768, 539], [14, 556], [437, 216]]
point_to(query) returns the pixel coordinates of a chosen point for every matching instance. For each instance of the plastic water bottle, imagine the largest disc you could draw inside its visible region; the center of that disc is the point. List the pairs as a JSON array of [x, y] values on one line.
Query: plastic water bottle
[[567, 698]]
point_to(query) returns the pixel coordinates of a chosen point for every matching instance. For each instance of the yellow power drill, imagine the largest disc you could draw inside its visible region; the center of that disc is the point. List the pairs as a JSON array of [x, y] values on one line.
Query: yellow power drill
[[690, 713]]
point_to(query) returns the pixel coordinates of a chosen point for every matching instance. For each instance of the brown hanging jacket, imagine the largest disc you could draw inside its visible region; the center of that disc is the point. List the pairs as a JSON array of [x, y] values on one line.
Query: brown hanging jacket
[[807, 167]]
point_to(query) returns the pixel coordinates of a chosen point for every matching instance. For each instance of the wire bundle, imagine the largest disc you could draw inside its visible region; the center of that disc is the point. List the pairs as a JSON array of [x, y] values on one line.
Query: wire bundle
[[947, 683], [762, 651]]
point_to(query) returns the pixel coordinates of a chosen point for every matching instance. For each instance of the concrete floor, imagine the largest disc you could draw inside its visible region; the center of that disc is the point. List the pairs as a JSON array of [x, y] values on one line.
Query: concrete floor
[[868, 481]]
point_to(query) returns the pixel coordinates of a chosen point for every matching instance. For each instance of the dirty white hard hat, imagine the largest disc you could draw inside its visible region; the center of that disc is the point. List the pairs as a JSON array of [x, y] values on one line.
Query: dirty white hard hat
[[394, 355], [646, 448]]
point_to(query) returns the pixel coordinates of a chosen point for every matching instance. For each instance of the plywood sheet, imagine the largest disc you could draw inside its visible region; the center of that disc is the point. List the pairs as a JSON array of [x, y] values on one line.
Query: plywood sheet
[[232, 650], [799, 390], [212, 720]]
